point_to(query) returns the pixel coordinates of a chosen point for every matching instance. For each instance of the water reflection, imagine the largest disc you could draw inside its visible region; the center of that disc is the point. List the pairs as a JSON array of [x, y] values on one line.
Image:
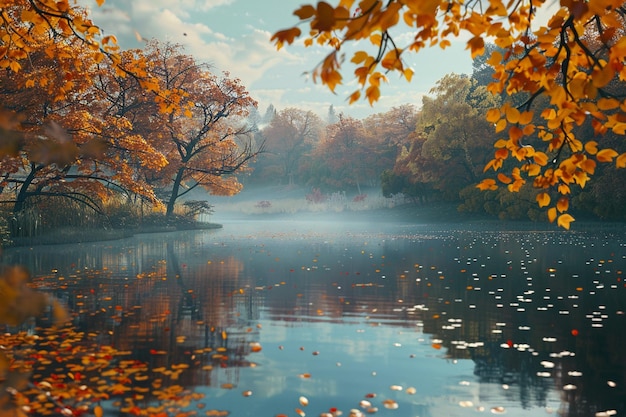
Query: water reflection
[[527, 322]]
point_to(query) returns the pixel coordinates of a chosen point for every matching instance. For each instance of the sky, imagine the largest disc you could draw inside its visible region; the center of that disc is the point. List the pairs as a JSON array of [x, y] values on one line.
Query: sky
[[234, 36]]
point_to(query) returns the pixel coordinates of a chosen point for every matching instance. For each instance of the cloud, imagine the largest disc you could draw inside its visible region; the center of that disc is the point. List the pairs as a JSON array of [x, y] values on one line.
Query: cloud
[[234, 36]]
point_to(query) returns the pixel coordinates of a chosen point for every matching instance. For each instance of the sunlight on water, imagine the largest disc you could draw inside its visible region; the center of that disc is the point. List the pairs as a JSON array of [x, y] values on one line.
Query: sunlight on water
[[292, 318]]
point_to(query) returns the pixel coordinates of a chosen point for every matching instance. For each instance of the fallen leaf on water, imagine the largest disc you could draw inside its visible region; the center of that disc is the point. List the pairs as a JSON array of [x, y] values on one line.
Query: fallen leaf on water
[[390, 404]]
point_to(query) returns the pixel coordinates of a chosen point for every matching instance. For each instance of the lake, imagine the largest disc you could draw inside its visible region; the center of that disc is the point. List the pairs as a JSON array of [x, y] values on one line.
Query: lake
[[285, 317]]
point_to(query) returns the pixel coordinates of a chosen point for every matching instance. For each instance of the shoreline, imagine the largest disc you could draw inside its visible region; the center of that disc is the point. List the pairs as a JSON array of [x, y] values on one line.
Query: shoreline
[[74, 236], [441, 216]]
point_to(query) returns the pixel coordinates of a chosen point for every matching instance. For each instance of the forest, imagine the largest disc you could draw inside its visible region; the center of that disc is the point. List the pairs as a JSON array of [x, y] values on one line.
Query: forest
[[120, 159], [430, 152], [94, 137], [122, 138]]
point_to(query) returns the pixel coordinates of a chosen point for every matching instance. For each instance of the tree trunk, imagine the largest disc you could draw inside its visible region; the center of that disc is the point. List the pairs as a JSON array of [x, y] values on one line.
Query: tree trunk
[[20, 198], [174, 195]]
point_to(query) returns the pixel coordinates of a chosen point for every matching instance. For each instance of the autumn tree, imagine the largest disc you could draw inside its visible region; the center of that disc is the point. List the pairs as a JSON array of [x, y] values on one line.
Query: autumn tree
[[550, 57], [53, 53], [395, 127], [290, 135], [456, 129], [69, 146], [200, 128], [64, 32], [349, 156], [452, 139]]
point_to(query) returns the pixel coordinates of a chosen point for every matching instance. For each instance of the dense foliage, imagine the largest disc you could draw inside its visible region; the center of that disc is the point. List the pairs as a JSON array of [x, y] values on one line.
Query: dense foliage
[[85, 122], [557, 74]]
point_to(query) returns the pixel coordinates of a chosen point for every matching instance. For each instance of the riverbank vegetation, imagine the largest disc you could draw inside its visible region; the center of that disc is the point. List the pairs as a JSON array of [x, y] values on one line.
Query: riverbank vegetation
[[103, 138], [98, 138], [557, 74]]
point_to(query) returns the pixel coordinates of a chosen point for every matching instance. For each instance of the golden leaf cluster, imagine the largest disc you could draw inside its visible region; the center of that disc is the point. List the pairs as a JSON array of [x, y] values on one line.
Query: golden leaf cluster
[[572, 60], [75, 106]]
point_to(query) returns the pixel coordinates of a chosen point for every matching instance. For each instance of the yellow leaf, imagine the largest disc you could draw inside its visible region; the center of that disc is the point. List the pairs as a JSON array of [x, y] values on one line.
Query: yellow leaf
[[495, 59], [512, 115], [533, 170], [493, 115], [515, 133], [97, 410], [305, 12], [602, 77], [500, 143], [543, 199], [476, 45], [563, 204], [325, 19], [331, 78], [355, 96], [496, 164], [516, 186], [540, 158], [287, 35], [372, 93], [361, 74], [552, 214], [548, 114], [487, 184], [619, 128], [376, 39], [565, 220], [359, 56], [608, 104], [606, 155], [591, 147], [589, 166], [504, 179], [408, 74], [15, 66], [621, 161], [501, 125], [526, 117], [564, 189], [391, 60], [502, 153]]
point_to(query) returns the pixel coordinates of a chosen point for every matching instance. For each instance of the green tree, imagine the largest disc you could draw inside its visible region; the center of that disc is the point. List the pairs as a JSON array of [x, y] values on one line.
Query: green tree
[[452, 142]]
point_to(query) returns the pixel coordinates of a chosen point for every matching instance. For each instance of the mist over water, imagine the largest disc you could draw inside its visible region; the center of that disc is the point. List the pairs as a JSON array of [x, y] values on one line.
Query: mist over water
[[416, 319]]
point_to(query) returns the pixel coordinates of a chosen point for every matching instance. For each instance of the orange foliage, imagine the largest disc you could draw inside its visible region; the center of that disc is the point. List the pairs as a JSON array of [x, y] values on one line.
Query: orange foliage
[[572, 59], [77, 122]]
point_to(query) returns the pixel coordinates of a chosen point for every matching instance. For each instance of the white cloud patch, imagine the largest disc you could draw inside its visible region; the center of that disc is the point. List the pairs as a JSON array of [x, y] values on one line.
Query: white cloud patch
[[234, 36]]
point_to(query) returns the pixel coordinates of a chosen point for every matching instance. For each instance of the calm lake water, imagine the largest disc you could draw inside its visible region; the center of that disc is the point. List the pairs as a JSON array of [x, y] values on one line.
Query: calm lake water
[[417, 321]]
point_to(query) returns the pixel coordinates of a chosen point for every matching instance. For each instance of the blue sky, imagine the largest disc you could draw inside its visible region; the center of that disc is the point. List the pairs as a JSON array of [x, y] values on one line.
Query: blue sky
[[234, 36]]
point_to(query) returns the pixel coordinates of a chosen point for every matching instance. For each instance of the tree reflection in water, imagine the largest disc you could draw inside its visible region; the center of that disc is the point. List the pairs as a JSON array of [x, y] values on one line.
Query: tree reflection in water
[[534, 311]]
